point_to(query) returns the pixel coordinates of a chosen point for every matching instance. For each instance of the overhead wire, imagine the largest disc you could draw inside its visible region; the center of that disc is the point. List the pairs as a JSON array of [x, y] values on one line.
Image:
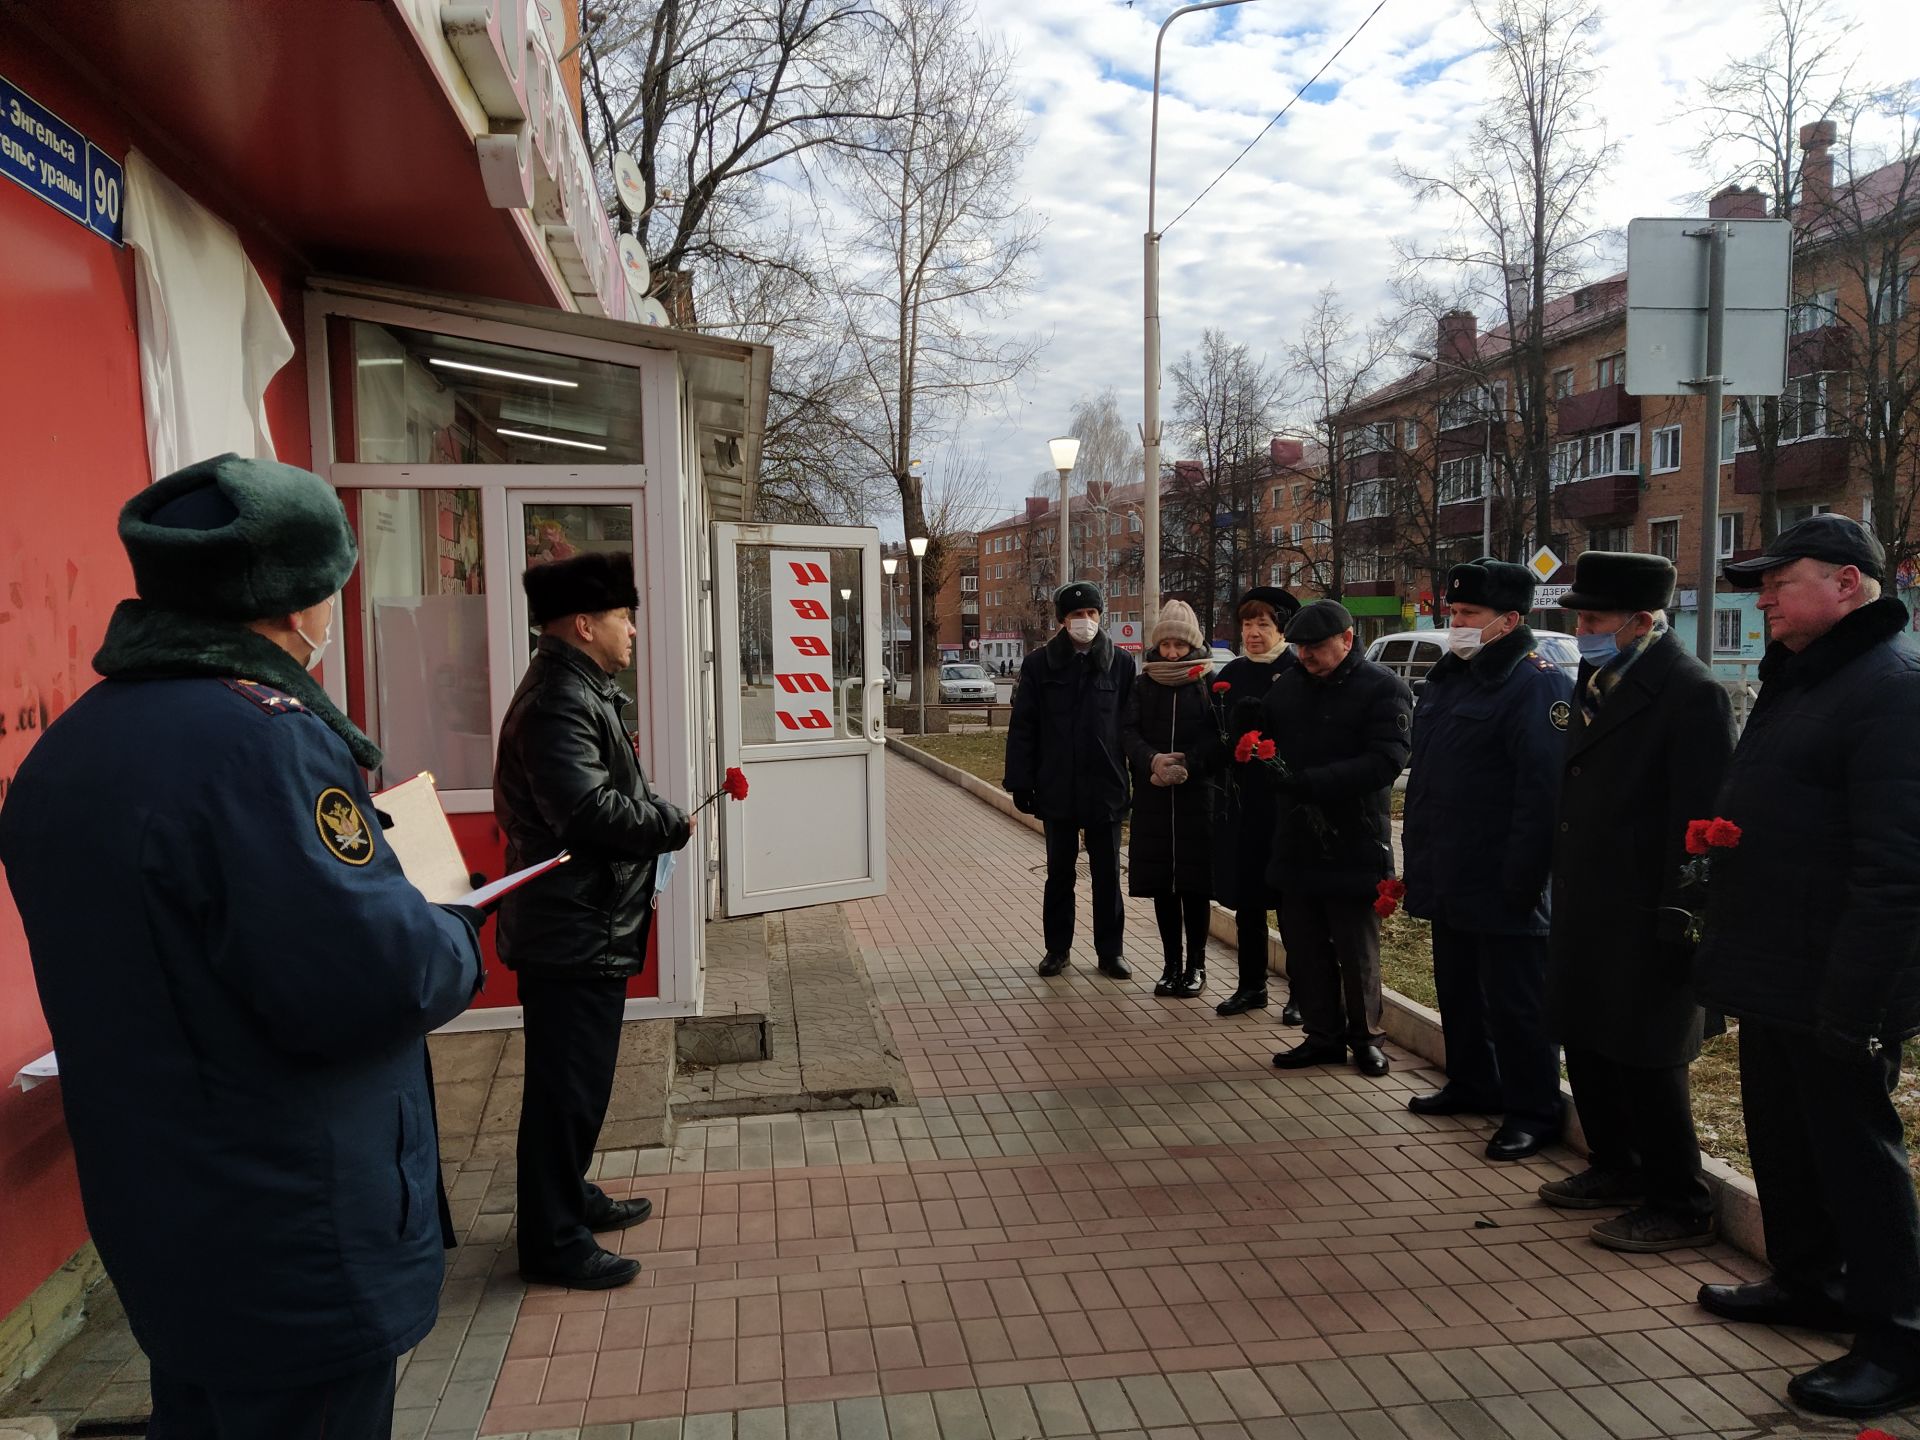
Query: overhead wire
[[1277, 118]]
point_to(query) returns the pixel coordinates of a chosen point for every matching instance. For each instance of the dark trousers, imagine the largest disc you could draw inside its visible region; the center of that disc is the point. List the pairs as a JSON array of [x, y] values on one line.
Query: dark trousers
[[1103, 865], [1639, 1120], [1178, 914], [1250, 936], [357, 1406], [1493, 1014], [1333, 966], [1836, 1194], [573, 1042]]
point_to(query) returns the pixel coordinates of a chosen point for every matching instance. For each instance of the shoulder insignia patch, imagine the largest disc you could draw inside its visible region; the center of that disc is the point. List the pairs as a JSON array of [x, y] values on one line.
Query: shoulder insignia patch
[[343, 829], [274, 702], [1560, 712], [1403, 720], [1541, 663]]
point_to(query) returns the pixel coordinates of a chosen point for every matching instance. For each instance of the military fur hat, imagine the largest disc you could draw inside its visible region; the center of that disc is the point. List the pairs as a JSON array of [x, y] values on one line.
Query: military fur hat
[[1080, 595], [1614, 580], [1283, 605], [235, 539], [1322, 620], [585, 585], [1497, 584]]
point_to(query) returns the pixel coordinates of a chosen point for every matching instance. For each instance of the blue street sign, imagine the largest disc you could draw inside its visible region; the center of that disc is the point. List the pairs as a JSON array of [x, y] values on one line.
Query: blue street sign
[[42, 153]]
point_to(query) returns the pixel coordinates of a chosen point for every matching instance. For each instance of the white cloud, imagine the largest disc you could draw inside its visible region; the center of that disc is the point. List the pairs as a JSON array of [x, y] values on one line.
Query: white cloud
[[1317, 201]]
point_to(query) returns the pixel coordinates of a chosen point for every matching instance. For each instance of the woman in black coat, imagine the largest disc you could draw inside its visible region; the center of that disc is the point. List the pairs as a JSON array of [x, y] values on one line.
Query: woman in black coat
[[1171, 737], [1244, 817]]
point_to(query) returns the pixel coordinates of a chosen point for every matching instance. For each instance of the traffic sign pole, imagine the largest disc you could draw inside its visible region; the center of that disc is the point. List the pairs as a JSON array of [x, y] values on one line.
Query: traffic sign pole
[[1711, 385]]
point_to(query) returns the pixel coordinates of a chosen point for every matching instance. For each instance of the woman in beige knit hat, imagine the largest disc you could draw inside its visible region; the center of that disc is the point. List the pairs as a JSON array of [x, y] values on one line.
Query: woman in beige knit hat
[[1172, 741]]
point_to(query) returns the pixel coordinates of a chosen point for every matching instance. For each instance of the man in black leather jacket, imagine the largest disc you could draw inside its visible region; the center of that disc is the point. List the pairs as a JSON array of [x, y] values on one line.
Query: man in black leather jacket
[[569, 778]]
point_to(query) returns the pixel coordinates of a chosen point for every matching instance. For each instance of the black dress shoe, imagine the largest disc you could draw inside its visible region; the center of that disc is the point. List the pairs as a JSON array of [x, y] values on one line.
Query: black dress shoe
[[1858, 1386], [1370, 1060], [1448, 1102], [1169, 981], [622, 1215], [1053, 965], [1310, 1052], [1192, 982], [1290, 1014], [1764, 1303], [602, 1270], [1242, 1001], [1517, 1142], [1114, 968]]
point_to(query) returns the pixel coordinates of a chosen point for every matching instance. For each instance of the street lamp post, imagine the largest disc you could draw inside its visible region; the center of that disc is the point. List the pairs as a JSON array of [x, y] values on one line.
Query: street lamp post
[[889, 564], [918, 545], [1066, 450], [1150, 429]]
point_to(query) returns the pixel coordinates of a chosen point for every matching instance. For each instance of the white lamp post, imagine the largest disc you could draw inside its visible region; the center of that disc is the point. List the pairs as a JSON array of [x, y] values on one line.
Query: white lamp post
[[1066, 450], [889, 564], [918, 545]]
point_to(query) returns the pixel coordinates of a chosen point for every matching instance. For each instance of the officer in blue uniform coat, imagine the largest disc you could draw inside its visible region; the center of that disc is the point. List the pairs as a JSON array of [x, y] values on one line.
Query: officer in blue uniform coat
[[1488, 739], [238, 977]]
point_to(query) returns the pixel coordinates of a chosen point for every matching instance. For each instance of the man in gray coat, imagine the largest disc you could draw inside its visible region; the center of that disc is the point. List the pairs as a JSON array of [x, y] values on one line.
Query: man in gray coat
[[1647, 747]]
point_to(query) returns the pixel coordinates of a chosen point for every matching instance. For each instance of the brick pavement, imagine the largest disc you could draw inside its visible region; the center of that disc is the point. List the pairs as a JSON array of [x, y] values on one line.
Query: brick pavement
[[1105, 1215]]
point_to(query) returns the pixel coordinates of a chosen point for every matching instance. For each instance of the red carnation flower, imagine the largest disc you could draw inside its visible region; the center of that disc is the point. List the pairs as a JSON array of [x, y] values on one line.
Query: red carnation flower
[[736, 783], [1393, 889], [1243, 752], [1697, 836], [1220, 687], [1196, 672], [1385, 906], [1264, 750], [1722, 834]]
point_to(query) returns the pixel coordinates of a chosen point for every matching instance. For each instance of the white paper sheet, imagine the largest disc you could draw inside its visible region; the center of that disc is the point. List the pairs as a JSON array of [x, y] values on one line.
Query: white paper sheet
[[487, 894]]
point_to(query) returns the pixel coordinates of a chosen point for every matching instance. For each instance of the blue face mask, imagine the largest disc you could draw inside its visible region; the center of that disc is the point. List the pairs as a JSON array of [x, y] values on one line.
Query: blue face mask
[[1597, 650]]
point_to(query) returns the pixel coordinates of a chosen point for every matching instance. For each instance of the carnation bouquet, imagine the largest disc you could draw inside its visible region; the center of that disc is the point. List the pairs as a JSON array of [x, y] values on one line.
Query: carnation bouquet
[[1704, 839]]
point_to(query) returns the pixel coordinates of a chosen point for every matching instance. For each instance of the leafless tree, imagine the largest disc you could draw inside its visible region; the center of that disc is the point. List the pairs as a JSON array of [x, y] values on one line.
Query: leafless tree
[[1522, 192], [1108, 462], [941, 241], [1750, 122]]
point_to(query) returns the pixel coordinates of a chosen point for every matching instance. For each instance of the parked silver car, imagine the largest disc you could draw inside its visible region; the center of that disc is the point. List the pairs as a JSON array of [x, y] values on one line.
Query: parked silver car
[[965, 685]]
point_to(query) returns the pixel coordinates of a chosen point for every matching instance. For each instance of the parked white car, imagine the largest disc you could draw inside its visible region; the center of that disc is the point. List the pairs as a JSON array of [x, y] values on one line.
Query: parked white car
[[1410, 654], [965, 684]]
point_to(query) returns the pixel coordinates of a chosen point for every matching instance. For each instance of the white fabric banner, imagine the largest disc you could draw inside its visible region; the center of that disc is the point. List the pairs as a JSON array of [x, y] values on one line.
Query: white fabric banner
[[210, 338]]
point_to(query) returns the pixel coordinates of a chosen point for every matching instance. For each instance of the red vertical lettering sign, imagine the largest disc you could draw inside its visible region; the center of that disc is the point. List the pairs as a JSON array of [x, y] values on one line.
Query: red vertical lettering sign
[[803, 698]]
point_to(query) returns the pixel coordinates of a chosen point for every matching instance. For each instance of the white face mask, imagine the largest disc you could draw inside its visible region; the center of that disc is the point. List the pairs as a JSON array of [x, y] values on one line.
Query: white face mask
[[1466, 641], [1083, 630], [326, 639]]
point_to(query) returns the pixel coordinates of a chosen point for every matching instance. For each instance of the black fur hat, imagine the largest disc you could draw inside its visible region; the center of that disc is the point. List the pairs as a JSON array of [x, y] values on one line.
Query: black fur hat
[[1080, 595], [1497, 584], [584, 585], [1617, 580], [234, 539]]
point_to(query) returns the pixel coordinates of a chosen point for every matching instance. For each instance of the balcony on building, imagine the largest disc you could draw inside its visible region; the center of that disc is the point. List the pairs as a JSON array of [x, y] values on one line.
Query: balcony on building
[[1607, 408], [1458, 441], [1800, 466], [1598, 496], [1374, 465], [1466, 517], [1370, 589], [1812, 351]]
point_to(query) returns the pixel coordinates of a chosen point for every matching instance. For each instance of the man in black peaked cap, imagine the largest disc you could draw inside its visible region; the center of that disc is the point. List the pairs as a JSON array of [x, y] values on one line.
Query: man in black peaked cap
[[237, 975]]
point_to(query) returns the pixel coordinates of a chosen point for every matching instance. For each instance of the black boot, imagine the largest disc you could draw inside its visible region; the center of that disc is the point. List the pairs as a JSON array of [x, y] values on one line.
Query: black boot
[[1192, 982], [1290, 1013], [1241, 1001], [1169, 982]]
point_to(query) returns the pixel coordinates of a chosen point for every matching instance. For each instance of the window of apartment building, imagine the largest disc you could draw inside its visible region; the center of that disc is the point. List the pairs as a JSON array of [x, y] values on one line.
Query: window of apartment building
[[1615, 452], [1814, 311], [1806, 401], [1610, 370], [1794, 514], [1323, 532], [1410, 434], [1462, 408], [1888, 295], [1726, 631], [1664, 538], [1729, 535], [969, 584], [1293, 534], [1866, 512], [1367, 500], [1278, 498], [1133, 522], [1019, 541], [1299, 494], [1277, 575], [1363, 569], [1610, 537], [1666, 449], [1366, 439], [1562, 382], [1461, 479]]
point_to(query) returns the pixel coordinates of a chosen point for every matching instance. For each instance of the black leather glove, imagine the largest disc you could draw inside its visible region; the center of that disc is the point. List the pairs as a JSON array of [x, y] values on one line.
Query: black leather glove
[[473, 917], [1023, 801]]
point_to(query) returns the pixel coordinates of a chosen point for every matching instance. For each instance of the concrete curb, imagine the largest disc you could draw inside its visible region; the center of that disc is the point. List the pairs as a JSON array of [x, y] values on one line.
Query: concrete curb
[[1408, 1023]]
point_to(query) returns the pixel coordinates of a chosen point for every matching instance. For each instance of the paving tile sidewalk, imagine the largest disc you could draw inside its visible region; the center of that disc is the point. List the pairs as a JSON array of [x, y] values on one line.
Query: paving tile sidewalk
[[1107, 1214]]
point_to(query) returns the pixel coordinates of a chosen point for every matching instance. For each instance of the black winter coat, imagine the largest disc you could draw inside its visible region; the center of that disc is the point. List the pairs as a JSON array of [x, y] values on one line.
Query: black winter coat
[[1813, 921], [1488, 745], [1064, 760], [1345, 739], [1619, 980], [239, 979], [1246, 808], [1169, 847], [569, 778]]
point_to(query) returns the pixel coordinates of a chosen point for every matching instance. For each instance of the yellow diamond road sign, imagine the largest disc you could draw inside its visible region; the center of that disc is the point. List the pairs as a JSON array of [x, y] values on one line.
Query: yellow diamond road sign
[[1544, 563]]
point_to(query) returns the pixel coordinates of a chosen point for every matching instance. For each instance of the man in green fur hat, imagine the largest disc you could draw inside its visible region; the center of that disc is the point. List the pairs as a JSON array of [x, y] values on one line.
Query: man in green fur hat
[[237, 976]]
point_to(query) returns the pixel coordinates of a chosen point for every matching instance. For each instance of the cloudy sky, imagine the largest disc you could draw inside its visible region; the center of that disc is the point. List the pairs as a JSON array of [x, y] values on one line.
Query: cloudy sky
[[1317, 201]]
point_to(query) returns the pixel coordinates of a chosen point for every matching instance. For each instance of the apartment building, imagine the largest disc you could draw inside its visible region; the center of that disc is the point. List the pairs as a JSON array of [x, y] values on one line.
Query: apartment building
[[1020, 570]]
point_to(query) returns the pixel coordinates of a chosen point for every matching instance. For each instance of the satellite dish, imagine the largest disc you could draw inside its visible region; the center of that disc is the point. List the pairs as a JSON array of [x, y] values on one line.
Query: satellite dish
[[633, 264], [628, 180], [652, 312]]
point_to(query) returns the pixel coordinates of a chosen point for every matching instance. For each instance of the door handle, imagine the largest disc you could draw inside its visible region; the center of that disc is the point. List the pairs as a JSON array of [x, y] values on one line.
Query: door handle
[[876, 713]]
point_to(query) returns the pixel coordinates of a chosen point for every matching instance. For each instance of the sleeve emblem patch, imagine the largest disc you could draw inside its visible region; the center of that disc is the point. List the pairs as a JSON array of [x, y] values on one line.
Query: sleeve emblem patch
[[343, 830], [1560, 712]]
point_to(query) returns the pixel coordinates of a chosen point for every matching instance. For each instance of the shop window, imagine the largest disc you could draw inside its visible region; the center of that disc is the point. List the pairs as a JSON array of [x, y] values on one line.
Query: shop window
[[417, 398], [791, 692], [423, 635]]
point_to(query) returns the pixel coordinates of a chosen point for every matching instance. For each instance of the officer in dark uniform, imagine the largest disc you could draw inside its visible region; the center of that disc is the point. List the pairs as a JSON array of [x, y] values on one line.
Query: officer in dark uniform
[[1065, 765], [237, 975], [1488, 740]]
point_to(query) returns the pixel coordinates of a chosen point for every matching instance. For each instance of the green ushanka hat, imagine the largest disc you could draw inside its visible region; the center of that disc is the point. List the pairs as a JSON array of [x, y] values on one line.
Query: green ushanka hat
[[235, 539]]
